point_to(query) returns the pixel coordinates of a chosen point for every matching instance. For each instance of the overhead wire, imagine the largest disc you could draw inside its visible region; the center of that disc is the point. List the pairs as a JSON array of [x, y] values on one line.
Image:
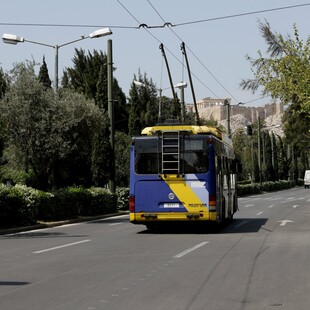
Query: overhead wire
[[68, 25], [242, 14], [137, 21], [165, 46], [166, 24], [204, 66]]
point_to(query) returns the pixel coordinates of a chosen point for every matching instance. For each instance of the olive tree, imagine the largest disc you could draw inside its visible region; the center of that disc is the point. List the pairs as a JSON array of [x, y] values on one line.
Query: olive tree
[[51, 133]]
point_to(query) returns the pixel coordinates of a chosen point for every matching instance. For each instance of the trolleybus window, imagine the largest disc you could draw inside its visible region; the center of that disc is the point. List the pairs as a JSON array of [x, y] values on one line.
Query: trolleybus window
[[147, 156], [193, 155]]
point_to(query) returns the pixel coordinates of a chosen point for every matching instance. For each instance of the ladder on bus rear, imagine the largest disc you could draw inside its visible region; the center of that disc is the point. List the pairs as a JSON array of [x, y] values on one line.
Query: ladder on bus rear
[[170, 152]]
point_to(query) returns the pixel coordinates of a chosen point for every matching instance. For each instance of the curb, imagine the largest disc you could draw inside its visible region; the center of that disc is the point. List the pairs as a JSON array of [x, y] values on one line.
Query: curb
[[42, 225]]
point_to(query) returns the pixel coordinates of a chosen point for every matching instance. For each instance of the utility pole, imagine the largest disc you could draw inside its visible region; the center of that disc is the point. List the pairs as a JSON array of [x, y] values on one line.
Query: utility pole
[[259, 152], [227, 103], [111, 114]]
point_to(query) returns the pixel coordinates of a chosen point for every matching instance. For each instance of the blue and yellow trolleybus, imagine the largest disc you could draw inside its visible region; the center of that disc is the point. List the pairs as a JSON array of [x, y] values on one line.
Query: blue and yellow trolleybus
[[182, 173]]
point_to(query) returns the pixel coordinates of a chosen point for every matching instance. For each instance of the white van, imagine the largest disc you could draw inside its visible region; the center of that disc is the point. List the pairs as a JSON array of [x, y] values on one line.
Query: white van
[[307, 179]]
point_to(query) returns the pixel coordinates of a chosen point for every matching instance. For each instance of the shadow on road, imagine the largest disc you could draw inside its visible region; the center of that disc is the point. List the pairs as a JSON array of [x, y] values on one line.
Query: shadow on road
[[13, 283], [245, 225]]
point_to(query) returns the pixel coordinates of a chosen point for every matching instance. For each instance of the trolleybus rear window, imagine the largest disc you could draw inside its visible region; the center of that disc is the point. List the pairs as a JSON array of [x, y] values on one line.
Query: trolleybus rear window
[[192, 155]]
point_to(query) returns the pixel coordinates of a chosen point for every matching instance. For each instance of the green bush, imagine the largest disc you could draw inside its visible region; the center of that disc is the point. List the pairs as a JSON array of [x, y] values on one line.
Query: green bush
[[102, 202], [19, 205], [61, 206], [269, 186], [122, 198], [73, 202]]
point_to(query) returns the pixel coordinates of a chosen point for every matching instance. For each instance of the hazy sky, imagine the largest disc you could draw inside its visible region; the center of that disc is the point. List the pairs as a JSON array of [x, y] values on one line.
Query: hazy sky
[[216, 48]]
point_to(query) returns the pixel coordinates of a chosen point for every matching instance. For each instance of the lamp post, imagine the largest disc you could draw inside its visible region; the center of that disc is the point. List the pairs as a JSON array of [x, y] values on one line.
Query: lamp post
[[14, 39], [181, 86], [111, 115]]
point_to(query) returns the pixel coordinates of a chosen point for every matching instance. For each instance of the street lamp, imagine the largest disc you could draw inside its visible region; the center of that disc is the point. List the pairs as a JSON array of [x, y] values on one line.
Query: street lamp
[[139, 84], [14, 39]]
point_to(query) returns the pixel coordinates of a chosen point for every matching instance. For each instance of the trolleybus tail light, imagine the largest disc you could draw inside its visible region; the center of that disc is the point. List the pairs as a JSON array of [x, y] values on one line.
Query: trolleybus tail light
[[212, 203], [132, 203]]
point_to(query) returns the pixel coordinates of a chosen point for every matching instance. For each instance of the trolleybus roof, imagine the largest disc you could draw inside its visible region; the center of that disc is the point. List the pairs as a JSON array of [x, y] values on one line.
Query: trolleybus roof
[[192, 129]]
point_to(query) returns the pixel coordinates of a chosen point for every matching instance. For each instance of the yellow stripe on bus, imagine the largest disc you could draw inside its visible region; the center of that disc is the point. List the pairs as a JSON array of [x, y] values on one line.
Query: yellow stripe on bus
[[185, 194]]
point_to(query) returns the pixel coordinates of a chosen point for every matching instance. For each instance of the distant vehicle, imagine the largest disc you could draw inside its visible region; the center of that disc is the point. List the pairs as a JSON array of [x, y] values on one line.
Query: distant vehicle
[[307, 179], [182, 173]]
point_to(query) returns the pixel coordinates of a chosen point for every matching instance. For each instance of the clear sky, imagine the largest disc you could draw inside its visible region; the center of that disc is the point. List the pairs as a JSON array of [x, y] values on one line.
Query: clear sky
[[216, 48]]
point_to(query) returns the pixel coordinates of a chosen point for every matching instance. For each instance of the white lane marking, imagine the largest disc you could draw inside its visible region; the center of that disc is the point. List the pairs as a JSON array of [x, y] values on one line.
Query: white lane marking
[[271, 206], [288, 199], [295, 206], [284, 222], [259, 213], [110, 218], [248, 206], [275, 198], [68, 225], [240, 224], [60, 247], [113, 224], [190, 249]]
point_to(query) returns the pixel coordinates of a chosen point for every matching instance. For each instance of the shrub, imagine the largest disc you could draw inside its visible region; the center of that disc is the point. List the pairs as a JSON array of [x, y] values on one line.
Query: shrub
[[266, 186], [122, 198], [59, 207], [102, 202], [19, 205], [73, 202]]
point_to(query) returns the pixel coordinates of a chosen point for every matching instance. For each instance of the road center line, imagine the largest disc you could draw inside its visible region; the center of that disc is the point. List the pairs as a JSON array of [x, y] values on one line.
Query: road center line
[[190, 249], [60, 247]]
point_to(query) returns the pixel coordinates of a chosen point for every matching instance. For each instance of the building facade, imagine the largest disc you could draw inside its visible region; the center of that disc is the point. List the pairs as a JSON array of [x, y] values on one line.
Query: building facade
[[209, 108]]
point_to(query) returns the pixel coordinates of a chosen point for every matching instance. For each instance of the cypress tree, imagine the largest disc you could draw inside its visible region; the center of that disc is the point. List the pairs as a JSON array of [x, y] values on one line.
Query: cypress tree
[[43, 75]]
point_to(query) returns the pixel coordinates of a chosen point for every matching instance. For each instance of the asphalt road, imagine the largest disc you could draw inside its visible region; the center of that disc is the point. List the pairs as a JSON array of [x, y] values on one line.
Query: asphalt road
[[260, 261]]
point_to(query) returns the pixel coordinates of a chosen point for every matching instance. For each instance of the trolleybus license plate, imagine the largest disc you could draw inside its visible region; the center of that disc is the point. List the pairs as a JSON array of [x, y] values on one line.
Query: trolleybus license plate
[[171, 205]]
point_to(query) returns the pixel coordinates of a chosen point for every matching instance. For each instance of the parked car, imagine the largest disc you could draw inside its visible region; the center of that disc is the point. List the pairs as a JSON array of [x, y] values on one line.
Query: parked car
[[307, 179]]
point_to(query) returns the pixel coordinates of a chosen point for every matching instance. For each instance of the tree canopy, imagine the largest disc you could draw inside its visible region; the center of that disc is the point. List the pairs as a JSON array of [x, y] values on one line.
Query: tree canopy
[[51, 134], [285, 75], [88, 76]]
